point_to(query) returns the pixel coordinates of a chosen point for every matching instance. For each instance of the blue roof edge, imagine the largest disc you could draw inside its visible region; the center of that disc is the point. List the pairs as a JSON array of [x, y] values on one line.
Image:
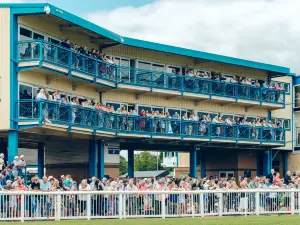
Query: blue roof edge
[[144, 44]]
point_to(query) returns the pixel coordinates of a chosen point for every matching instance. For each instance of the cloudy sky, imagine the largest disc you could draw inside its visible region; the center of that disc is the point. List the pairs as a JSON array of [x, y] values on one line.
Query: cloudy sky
[[261, 30]]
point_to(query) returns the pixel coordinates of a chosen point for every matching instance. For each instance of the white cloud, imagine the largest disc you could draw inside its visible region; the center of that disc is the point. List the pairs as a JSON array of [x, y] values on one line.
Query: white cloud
[[261, 30]]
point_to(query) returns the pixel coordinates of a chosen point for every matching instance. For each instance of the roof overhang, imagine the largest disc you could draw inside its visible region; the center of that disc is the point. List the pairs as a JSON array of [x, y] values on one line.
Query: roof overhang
[[25, 9]]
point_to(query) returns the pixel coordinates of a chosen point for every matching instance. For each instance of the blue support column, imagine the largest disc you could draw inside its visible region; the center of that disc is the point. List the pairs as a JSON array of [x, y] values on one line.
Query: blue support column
[[92, 158], [100, 159], [12, 145], [203, 165], [131, 163], [285, 162], [193, 163], [267, 162], [258, 164], [41, 159]]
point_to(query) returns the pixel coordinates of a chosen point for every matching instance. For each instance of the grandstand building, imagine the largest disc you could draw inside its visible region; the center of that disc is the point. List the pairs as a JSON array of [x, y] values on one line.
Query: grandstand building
[[212, 114]]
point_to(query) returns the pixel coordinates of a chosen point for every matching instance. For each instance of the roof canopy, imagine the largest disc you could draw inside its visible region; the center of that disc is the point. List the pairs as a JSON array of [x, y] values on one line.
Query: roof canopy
[[42, 8]]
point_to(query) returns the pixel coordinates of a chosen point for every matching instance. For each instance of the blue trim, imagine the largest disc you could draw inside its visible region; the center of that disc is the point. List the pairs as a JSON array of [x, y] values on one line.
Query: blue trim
[[101, 160], [131, 163], [39, 8], [285, 162], [267, 162], [92, 158], [12, 145], [193, 163], [13, 73], [41, 159]]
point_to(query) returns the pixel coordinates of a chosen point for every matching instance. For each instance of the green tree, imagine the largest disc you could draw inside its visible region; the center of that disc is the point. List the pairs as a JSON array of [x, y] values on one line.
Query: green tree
[[123, 165], [145, 161]]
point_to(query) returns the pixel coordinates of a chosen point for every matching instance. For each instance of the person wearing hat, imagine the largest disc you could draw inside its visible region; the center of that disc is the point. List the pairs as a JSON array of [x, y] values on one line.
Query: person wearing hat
[[21, 166], [8, 185], [15, 166]]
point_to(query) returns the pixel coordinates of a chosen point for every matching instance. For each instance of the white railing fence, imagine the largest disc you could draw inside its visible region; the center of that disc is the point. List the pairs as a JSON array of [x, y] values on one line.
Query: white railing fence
[[22, 206]]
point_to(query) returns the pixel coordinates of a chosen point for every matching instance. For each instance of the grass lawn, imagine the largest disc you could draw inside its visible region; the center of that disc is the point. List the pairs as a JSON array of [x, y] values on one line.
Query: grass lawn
[[252, 220]]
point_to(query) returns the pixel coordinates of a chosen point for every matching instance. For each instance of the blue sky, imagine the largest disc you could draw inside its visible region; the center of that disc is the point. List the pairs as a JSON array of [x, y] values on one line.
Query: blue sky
[[81, 7]]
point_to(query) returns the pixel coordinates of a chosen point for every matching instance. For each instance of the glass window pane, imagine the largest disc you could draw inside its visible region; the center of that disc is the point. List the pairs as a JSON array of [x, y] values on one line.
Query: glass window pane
[[144, 65], [25, 34], [51, 40], [115, 105], [287, 124], [159, 68], [142, 107], [159, 109], [25, 92], [172, 111], [287, 88], [38, 36]]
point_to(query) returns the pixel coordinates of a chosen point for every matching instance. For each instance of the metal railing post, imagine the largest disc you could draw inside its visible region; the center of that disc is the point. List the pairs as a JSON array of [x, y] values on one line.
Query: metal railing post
[[220, 204], [121, 206], [58, 208], [202, 204], [293, 203], [22, 207], [163, 206], [257, 203], [88, 207]]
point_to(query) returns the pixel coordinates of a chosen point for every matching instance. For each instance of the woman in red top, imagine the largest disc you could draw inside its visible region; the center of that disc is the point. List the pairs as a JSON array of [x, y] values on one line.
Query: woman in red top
[[142, 120]]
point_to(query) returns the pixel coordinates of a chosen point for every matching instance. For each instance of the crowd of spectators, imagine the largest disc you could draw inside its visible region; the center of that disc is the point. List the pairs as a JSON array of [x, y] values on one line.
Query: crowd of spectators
[[106, 116], [150, 204]]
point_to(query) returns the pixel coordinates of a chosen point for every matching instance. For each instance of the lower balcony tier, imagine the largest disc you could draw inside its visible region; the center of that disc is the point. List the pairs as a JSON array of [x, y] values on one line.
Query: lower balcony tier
[[91, 121]]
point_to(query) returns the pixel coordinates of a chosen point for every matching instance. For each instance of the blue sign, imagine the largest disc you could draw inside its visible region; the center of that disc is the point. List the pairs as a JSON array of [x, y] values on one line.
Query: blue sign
[[113, 149]]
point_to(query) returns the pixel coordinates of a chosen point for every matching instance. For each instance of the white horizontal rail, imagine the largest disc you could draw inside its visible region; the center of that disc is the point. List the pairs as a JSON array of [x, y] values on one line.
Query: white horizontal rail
[[60, 205]]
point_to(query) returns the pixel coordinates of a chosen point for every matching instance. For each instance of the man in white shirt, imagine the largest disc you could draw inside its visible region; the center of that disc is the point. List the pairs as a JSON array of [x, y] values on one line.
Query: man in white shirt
[[22, 165], [2, 162]]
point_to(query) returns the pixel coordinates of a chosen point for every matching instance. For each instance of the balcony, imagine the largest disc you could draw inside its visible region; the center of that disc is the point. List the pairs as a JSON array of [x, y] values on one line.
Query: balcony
[[38, 54], [69, 118]]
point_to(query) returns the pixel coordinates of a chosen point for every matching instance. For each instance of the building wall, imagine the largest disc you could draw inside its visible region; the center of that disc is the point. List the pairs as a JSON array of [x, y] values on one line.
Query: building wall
[[127, 97], [5, 68], [47, 24], [287, 112], [178, 60], [61, 84], [293, 161]]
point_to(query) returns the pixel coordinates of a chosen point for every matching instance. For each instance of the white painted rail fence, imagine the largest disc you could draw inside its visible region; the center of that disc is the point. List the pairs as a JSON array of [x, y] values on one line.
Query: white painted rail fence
[[23, 206]]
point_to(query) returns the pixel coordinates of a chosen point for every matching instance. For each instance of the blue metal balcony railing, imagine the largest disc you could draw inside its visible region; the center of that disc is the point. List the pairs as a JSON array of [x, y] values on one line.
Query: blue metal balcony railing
[[99, 120], [38, 50]]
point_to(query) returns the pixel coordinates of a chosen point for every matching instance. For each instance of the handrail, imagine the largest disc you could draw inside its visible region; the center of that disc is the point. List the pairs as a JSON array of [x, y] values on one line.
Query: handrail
[[101, 120], [154, 79]]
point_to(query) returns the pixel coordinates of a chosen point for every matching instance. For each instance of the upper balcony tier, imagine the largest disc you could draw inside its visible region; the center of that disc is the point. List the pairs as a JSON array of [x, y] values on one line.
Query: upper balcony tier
[[53, 59], [91, 121]]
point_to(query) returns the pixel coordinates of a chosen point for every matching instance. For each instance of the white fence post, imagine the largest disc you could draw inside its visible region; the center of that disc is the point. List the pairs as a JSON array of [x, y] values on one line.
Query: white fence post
[[163, 206], [121, 206], [193, 205], [257, 202], [246, 203], [58, 207], [202, 204], [298, 195], [220, 204], [22, 207], [292, 202], [88, 206]]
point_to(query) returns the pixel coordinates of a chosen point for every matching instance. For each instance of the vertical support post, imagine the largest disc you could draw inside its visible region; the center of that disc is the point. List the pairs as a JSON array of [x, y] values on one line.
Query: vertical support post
[[193, 163], [58, 207], [12, 145], [120, 206], [292, 202], [41, 159], [221, 204], [100, 159], [202, 204], [131, 163], [92, 158], [203, 165], [22, 207], [267, 162], [285, 161]]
